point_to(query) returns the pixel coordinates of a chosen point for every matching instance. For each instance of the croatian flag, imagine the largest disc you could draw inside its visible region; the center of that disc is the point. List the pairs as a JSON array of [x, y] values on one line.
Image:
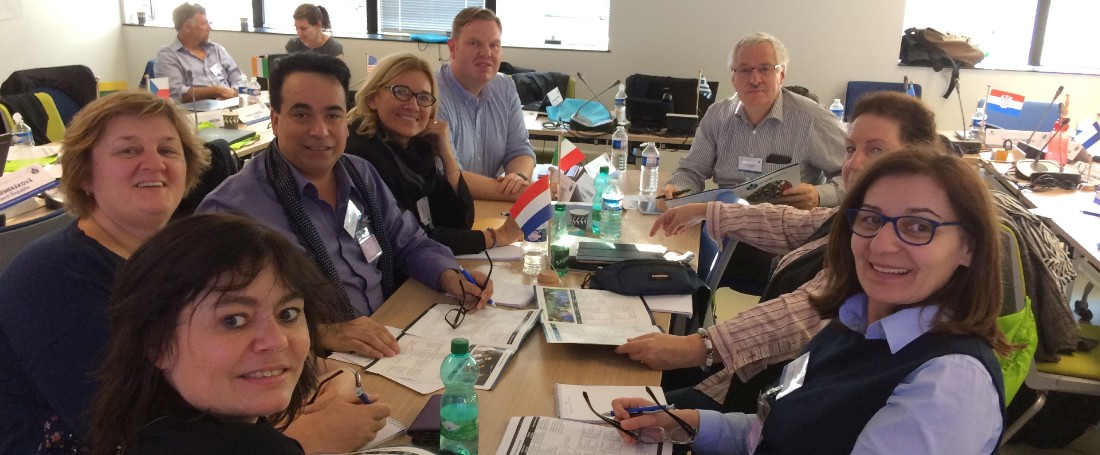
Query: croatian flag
[[159, 87], [572, 155], [532, 209], [704, 87], [1005, 102], [1089, 138]]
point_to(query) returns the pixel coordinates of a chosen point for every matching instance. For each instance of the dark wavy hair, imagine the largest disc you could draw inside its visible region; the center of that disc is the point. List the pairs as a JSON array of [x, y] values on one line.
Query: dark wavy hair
[[971, 299], [182, 264], [916, 123]]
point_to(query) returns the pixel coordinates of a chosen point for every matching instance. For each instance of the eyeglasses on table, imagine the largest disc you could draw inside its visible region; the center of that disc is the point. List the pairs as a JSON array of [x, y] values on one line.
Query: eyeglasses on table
[[456, 315], [684, 434]]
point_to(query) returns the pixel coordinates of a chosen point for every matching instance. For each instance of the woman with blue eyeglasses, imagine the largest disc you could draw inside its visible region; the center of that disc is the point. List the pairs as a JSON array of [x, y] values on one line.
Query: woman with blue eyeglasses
[[907, 362], [394, 126]]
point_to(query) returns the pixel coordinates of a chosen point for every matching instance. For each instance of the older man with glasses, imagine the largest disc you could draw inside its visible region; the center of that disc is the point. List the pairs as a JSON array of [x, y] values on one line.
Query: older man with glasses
[[762, 128]]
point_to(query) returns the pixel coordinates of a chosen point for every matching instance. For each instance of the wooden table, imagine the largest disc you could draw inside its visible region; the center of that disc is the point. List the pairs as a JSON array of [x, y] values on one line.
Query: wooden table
[[527, 384]]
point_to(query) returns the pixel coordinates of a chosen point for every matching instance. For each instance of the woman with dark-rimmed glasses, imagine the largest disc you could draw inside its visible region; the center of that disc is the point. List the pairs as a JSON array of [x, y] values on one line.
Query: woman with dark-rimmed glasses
[[907, 362], [394, 126]]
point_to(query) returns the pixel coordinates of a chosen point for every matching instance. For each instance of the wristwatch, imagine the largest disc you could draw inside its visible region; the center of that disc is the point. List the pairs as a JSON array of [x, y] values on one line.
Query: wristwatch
[[710, 348]]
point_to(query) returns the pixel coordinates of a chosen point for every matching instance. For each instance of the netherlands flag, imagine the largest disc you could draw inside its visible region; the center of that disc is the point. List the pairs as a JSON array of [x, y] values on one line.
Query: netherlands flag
[[571, 157], [1089, 138], [532, 209], [159, 87], [1005, 102]]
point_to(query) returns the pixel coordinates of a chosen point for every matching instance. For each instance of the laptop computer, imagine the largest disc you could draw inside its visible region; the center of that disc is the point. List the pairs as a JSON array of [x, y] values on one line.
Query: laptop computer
[[229, 135]]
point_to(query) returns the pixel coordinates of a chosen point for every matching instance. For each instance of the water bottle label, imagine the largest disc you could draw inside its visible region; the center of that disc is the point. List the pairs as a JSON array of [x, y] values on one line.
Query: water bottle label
[[650, 161], [617, 143]]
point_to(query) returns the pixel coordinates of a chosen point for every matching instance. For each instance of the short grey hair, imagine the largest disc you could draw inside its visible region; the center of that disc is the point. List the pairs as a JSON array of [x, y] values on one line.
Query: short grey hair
[[757, 38]]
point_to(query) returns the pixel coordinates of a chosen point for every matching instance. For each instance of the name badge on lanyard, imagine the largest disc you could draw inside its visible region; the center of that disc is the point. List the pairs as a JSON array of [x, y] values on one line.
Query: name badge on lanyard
[[216, 70], [750, 164], [358, 227], [425, 211]]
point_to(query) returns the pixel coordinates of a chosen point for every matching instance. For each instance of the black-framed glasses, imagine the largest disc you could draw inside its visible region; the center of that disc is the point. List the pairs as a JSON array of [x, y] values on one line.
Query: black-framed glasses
[[914, 230], [457, 314], [764, 70], [404, 93], [684, 434]]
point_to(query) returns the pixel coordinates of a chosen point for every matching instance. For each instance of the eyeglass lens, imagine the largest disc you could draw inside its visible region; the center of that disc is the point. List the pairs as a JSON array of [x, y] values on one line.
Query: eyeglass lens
[[404, 93], [911, 229]]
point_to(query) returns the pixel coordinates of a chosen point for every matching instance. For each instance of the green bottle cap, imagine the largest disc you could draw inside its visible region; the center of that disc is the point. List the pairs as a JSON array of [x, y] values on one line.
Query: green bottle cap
[[604, 169], [460, 346], [559, 207]]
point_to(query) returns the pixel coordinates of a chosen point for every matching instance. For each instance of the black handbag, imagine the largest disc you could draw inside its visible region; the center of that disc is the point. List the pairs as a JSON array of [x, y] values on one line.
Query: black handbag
[[646, 277]]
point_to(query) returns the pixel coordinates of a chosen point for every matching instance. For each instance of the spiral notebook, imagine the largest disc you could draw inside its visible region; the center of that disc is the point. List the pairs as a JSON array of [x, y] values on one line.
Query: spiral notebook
[[571, 406]]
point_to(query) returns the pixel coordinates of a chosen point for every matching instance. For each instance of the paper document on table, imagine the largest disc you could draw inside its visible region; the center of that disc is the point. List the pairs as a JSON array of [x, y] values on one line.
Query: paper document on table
[[513, 295], [487, 326], [359, 359], [33, 153], [500, 253], [675, 304], [393, 450], [591, 316], [548, 435], [420, 359], [569, 399], [392, 430]]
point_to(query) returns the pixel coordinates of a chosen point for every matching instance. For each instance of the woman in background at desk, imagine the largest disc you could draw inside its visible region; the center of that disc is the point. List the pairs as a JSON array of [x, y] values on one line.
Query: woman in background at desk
[[393, 126], [311, 22], [212, 324], [907, 363]]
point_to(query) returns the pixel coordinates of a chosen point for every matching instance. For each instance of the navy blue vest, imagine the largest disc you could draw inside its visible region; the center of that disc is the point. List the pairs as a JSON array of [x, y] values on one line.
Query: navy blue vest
[[848, 379]]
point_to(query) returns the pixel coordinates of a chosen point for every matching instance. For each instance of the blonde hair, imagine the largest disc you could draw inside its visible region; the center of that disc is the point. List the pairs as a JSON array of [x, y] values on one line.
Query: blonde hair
[[92, 121], [388, 69]]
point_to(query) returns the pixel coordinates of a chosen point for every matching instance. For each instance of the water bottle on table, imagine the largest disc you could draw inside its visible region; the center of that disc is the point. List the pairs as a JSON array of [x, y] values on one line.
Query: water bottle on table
[[254, 92], [22, 137], [620, 105], [612, 226], [599, 185], [976, 132], [559, 241], [458, 416], [619, 144], [651, 157], [534, 251], [837, 109]]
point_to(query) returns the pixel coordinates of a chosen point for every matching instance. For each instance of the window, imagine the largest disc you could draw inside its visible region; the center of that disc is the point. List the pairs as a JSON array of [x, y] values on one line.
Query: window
[[1016, 34], [563, 24], [347, 16], [421, 16]]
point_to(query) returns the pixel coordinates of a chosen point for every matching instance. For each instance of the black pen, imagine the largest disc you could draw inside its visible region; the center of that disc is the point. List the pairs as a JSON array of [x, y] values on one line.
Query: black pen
[[675, 194]]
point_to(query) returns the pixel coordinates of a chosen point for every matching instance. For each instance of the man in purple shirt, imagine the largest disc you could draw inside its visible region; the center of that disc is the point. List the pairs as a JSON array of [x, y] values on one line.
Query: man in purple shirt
[[336, 206]]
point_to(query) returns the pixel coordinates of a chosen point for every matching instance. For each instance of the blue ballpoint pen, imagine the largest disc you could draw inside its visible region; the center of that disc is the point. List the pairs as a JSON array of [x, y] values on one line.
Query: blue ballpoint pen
[[471, 279], [643, 410], [363, 398]]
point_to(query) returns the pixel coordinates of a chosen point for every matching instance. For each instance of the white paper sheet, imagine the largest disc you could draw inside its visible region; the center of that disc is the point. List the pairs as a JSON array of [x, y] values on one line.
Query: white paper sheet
[[488, 326], [548, 435]]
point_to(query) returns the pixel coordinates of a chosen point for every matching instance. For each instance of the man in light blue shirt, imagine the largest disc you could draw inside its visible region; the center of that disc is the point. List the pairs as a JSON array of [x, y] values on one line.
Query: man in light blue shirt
[[483, 110], [196, 68]]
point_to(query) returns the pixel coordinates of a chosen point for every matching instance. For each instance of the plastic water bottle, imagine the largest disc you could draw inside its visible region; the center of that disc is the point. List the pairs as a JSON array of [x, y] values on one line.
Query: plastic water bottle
[[23, 137], [242, 90], [976, 133], [620, 105], [534, 251], [619, 142], [612, 226], [458, 431], [837, 109], [599, 185], [651, 157], [254, 92], [559, 241]]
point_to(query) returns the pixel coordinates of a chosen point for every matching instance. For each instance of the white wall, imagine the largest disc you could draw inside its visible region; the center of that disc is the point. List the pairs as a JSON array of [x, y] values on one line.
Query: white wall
[[64, 32], [647, 36]]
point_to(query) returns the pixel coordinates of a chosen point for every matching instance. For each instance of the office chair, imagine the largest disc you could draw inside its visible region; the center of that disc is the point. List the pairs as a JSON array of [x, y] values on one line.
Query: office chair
[[147, 74], [857, 89], [223, 164], [55, 126], [13, 238]]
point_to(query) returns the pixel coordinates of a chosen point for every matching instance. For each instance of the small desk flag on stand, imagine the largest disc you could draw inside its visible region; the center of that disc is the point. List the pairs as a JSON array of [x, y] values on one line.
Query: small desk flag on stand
[[159, 87], [1005, 102], [569, 155], [704, 87], [532, 209], [1089, 138]]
